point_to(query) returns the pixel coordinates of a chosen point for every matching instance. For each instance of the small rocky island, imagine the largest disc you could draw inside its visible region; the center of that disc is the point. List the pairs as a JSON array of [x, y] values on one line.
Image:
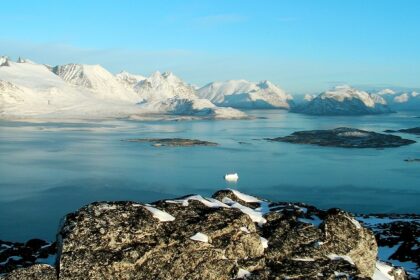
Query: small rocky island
[[414, 130], [412, 160], [345, 137], [228, 236], [173, 142]]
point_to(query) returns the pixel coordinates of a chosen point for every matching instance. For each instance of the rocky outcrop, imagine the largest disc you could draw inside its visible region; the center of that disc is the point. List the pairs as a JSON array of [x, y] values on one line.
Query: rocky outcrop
[[35, 272], [229, 236], [173, 142], [345, 137]]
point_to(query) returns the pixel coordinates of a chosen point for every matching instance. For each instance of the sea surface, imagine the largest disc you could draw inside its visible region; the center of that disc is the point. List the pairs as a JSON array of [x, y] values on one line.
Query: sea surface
[[50, 169]]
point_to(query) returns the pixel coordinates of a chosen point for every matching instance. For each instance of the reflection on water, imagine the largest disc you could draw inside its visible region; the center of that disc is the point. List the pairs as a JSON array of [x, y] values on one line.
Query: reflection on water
[[49, 169]]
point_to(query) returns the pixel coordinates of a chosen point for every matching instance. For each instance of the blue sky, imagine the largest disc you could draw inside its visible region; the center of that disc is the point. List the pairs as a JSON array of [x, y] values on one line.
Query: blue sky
[[302, 45]]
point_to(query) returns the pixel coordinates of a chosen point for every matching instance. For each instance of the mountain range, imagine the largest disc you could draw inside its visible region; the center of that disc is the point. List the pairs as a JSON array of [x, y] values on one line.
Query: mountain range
[[29, 89]]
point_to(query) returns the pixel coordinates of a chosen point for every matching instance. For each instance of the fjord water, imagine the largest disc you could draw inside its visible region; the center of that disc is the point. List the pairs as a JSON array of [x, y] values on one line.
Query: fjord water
[[50, 169]]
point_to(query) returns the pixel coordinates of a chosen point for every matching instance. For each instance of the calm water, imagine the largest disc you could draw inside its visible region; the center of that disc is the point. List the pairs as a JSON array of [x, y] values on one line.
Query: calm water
[[50, 169]]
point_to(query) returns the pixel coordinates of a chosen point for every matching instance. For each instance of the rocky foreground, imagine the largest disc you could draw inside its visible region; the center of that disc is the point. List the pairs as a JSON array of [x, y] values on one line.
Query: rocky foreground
[[345, 137], [229, 236]]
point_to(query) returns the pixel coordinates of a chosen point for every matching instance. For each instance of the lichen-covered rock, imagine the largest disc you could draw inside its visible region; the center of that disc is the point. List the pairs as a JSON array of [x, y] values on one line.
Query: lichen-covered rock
[[126, 241], [34, 272], [228, 236], [308, 269], [343, 235]]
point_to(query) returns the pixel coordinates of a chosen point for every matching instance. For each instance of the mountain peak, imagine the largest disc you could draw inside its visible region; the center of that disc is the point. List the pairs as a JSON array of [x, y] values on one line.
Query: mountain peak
[[265, 84], [129, 79], [164, 86], [4, 61], [167, 74], [24, 60], [156, 74]]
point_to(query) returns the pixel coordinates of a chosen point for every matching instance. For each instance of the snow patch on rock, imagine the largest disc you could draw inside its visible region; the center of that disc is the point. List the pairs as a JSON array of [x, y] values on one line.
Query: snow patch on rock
[[200, 237], [160, 215], [243, 273]]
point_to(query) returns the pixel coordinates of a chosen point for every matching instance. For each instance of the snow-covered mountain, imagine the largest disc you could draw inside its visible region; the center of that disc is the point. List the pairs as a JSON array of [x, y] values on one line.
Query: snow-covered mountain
[[165, 92], [33, 90], [344, 100], [245, 94], [97, 79], [161, 86], [128, 79], [28, 89]]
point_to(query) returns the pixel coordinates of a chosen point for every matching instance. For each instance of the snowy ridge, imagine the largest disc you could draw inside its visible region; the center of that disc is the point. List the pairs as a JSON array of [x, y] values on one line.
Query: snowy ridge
[[245, 94]]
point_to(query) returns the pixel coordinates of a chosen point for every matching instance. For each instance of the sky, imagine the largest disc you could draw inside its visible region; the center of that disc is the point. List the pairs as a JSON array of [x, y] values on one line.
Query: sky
[[304, 46]]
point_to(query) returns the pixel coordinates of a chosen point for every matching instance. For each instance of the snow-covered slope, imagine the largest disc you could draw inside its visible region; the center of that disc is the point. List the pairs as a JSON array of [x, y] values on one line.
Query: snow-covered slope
[[344, 100], [245, 94], [10, 93], [32, 90], [167, 93], [97, 79]]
